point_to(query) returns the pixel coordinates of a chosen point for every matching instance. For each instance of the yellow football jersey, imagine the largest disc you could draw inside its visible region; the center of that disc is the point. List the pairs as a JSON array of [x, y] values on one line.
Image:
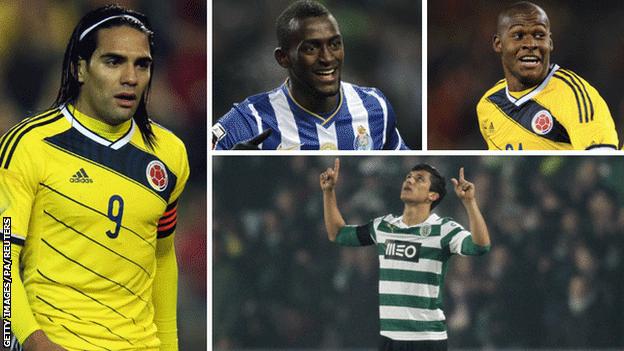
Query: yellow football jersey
[[564, 112], [87, 213]]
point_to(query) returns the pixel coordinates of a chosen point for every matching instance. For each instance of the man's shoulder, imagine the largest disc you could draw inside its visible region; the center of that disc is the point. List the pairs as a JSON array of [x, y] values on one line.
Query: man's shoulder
[[570, 80], [257, 99], [255, 105], [166, 136], [501, 84], [362, 90], [36, 127]]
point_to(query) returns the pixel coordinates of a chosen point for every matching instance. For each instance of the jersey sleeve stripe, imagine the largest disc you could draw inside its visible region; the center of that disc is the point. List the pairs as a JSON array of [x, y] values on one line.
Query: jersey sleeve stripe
[[167, 226], [578, 85], [583, 85], [448, 237], [166, 220], [165, 233], [17, 240], [576, 95], [172, 207], [26, 120], [19, 132]]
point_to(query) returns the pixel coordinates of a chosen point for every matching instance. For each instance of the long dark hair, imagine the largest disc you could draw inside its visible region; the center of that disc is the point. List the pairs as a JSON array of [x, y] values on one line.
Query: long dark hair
[[82, 49]]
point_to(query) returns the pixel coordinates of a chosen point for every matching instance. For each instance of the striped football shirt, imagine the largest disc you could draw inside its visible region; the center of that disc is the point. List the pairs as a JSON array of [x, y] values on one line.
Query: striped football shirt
[[412, 266], [363, 120]]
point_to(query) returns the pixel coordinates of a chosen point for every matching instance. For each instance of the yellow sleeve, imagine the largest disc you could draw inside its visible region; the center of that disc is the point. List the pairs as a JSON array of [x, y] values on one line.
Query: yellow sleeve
[[165, 288], [586, 115], [16, 199], [23, 322], [19, 180], [599, 130], [164, 294]]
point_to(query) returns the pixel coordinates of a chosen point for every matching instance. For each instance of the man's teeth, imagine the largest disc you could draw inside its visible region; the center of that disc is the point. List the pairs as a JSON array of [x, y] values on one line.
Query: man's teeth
[[326, 72], [529, 59]]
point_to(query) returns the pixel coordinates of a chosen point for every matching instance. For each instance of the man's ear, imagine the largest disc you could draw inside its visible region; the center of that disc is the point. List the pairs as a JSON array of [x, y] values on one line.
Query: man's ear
[[281, 56], [433, 196], [496, 44], [82, 69], [552, 44]]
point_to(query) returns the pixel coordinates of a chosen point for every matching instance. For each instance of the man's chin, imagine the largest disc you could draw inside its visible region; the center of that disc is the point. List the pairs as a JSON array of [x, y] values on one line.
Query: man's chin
[[532, 78], [328, 92]]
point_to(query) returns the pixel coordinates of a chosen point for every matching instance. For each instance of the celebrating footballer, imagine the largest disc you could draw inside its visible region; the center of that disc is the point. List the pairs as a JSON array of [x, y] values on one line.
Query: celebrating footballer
[[414, 251]]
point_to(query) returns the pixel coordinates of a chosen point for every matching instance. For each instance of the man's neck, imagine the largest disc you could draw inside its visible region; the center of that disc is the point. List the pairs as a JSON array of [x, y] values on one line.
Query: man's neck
[[317, 104], [416, 213]]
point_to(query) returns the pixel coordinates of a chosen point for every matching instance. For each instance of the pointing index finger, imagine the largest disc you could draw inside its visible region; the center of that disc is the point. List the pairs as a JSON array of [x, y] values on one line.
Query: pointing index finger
[[337, 166], [461, 175]]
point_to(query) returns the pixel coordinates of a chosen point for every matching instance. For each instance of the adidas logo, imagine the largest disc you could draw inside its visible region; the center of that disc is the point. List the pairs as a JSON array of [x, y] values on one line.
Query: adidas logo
[[80, 177]]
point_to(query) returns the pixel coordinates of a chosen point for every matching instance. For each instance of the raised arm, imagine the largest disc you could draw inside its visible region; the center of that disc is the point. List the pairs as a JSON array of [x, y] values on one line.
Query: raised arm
[[465, 190], [333, 219]]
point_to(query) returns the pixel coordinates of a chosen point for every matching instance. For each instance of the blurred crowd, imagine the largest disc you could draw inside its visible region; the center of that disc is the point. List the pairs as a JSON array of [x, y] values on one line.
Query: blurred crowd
[[462, 65], [33, 37], [553, 278], [382, 49]]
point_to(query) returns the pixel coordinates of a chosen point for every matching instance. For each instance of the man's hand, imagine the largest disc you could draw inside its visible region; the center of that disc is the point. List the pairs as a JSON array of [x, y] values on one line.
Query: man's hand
[[252, 144], [38, 341], [329, 178], [464, 189]]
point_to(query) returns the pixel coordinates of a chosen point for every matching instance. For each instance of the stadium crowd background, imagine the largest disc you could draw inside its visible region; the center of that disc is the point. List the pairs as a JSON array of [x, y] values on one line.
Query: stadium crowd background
[[462, 64], [553, 278], [382, 41], [33, 37]]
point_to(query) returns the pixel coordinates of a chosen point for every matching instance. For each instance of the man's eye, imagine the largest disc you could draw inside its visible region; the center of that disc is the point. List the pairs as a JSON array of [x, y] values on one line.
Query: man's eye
[[308, 48], [144, 65], [335, 45]]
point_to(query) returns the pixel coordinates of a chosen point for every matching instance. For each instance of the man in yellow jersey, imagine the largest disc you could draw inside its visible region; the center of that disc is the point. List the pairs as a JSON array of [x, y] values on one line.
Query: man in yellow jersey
[[539, 105], [92, 187]]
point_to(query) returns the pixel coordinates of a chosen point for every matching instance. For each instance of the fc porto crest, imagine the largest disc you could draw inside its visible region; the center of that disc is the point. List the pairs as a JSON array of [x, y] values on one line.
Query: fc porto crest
[[156, 174], [425, 230], [363, 140], [542, 123]]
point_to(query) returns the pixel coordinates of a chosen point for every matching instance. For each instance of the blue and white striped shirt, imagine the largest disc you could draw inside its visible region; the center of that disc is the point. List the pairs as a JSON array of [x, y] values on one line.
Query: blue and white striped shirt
[[363, 120]]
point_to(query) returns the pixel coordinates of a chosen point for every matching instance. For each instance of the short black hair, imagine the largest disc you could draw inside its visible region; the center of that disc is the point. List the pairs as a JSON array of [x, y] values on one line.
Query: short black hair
[[298, 10], [83, 43], [516, 8], [438, 183]]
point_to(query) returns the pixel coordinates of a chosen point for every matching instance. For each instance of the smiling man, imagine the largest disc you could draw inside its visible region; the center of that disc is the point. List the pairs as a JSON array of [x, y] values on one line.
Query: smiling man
[[91, 188], [313, 109], [414, 251], [539, 105]]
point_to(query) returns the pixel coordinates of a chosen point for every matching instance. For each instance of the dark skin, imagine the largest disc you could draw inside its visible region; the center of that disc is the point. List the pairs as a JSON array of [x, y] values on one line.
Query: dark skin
[[523, 41], [314, 59]]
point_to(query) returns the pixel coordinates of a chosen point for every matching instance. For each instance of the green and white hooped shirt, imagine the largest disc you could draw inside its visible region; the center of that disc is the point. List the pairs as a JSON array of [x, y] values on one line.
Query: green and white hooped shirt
[[412, 266]]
